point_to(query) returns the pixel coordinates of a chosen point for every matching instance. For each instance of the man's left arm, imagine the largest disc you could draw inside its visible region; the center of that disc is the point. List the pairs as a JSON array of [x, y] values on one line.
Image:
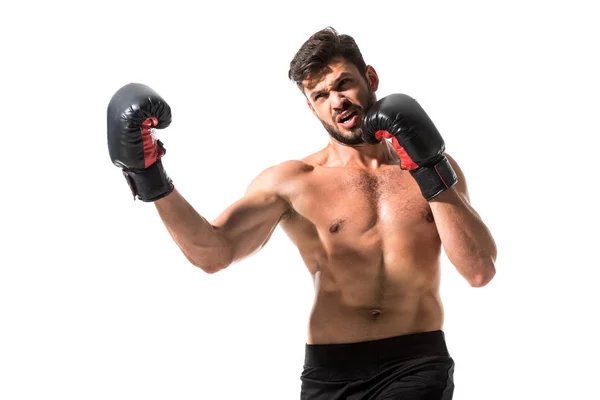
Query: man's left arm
[[420, 147], [467, 241]]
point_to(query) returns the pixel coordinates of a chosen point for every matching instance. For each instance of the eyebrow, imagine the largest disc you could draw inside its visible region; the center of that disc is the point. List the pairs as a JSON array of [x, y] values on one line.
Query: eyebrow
[[343, 75]]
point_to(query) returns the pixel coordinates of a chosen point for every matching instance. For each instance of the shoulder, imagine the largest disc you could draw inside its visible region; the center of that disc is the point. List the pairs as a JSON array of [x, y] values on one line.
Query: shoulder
[[272, 178]]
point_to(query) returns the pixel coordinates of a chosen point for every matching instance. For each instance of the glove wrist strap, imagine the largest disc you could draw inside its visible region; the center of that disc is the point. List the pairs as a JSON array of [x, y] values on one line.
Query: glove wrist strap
[[436, 178], [149, 184]]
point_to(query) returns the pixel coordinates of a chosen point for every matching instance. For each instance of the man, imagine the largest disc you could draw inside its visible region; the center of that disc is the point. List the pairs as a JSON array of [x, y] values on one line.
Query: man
[[369, 214]]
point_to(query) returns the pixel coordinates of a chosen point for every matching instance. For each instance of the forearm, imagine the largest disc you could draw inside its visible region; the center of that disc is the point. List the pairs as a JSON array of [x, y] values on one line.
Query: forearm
[[199, 241], [467, 242]]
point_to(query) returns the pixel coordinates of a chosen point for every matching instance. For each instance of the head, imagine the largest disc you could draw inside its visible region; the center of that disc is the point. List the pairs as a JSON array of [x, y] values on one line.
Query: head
[[339, 87]]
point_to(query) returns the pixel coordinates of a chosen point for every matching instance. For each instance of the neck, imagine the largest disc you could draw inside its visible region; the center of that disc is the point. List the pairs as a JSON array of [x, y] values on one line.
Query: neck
[[364, 155]]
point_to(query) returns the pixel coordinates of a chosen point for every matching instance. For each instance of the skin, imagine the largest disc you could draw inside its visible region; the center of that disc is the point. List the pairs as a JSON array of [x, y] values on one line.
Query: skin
[[367, 236]]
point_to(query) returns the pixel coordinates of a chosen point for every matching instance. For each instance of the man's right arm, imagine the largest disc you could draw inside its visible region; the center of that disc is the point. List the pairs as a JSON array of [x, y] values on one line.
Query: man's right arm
[[241, 229], [134, 112]]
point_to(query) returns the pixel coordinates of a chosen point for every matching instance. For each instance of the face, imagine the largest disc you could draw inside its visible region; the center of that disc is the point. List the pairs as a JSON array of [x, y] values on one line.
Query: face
[[339, 98]]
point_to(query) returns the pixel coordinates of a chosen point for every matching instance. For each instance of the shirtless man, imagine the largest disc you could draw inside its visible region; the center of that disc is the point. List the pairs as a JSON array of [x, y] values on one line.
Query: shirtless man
[[369, 214]]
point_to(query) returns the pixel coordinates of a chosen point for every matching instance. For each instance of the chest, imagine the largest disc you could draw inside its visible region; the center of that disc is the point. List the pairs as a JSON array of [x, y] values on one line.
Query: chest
[[343, 203]]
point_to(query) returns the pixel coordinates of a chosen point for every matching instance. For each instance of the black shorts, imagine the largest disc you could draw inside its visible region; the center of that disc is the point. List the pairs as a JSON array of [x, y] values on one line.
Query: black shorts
[[409, 367]]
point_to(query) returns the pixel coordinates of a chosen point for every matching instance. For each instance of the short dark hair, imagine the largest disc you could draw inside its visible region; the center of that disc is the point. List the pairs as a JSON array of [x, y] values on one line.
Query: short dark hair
[[319, 50]]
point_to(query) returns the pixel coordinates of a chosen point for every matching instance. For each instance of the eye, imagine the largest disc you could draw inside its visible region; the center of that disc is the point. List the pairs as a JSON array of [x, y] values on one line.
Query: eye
[[343, 82]]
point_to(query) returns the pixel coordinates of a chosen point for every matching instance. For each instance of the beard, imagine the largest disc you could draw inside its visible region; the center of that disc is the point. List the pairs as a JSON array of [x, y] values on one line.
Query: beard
[[355, 136]]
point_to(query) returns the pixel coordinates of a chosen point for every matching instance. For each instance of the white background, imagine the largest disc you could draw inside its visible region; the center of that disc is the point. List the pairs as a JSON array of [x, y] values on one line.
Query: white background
[[96, 300]]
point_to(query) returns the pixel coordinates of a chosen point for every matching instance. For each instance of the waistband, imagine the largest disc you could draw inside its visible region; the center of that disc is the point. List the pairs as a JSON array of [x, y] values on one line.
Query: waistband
[[376, 351]]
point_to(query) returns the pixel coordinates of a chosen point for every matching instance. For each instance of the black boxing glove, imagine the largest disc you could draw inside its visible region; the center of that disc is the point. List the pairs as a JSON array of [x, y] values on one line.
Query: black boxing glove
[[134, 112], [416, 139]]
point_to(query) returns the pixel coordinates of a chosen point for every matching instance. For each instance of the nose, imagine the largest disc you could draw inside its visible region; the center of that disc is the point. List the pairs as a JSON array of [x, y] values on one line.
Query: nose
[[337, 100]]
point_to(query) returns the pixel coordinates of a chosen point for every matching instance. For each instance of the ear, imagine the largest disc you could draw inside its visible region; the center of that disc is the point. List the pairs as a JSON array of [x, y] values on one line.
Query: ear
[[372, 78], [311, 106]]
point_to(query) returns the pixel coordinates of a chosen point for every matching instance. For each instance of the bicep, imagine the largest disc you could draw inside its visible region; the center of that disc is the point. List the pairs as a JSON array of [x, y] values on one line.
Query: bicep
[[247, 224]]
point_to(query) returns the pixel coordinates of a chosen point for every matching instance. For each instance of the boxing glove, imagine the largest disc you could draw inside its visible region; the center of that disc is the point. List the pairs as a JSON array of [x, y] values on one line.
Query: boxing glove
[[134, 112], [416, 139]]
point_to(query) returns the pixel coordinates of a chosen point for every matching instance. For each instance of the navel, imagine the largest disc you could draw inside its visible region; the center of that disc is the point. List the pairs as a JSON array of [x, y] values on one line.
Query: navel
[[375, 313]]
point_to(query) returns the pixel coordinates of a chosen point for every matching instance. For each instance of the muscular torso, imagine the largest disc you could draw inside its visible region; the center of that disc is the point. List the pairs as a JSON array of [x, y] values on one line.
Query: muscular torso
[[370, 242]]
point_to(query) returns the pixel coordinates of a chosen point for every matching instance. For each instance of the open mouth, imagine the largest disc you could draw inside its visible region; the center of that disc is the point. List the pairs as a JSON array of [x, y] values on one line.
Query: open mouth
[[348, 119]]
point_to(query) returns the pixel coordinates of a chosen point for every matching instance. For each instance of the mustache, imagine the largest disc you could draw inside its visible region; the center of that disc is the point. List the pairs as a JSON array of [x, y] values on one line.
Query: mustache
[[348, 106]]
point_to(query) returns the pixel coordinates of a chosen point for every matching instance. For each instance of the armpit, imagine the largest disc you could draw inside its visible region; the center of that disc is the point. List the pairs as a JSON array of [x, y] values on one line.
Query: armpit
[[289, 214]]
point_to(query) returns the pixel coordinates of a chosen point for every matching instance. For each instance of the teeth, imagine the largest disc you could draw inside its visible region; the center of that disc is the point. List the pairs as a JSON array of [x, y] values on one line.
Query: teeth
[[347, 117]]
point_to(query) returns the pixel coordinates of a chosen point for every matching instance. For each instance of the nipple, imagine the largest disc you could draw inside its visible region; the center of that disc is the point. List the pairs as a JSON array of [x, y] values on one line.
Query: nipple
[[336, 226]]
